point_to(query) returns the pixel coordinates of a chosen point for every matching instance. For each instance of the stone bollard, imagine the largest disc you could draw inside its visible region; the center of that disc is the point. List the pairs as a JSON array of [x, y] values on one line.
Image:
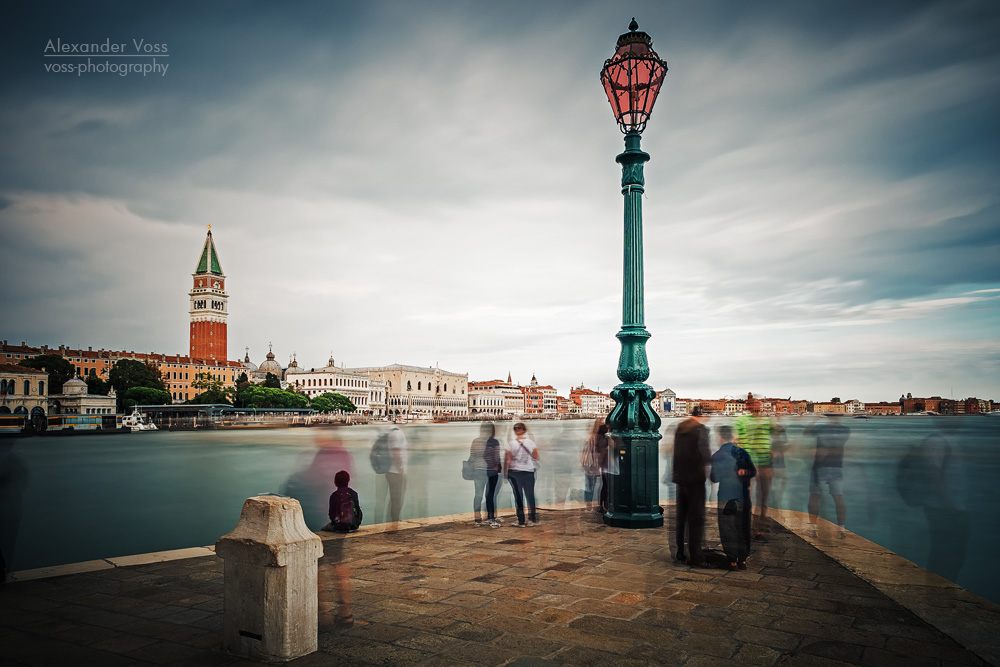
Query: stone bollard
[[271, 608]]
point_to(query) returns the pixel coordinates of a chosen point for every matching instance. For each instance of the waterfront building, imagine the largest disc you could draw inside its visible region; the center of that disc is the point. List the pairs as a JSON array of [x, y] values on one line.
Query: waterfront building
[[512, 396], [664, 403], [829, 408], [421, 391], [74, 400], [23, 390], [883, 408], [485, 402], [735, 406], [352, 384], [376, 397], [177, 371], [854, 406], [943, 406], [209, 306], [592, 403]]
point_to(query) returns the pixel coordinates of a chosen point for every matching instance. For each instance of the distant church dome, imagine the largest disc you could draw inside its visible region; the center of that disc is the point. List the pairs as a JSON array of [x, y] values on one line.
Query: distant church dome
[[74, 386], [293, 367], [248, 366], [270, 366]]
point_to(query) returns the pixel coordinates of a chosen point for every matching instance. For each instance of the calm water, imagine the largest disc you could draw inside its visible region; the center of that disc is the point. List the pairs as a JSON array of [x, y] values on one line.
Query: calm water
[[69, 499]]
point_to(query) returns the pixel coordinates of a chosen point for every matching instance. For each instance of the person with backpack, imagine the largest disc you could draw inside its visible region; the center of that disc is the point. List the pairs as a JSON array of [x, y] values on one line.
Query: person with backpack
[[733, 469], [345, 508], [481, 473], [519, 462], [333, 572], [389, 459]]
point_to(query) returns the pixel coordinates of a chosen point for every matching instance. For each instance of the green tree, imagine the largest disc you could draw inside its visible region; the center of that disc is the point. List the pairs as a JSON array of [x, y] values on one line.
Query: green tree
[[242, 379], [338, 402], [835, 399], [320, 404], [272, 381], [254, 396], [211, 390], [59, 369], [96, 385], [143, 396], [128, 374]]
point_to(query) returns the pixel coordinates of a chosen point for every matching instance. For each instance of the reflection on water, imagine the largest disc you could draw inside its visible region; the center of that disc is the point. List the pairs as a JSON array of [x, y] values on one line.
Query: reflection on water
[[88, 497]]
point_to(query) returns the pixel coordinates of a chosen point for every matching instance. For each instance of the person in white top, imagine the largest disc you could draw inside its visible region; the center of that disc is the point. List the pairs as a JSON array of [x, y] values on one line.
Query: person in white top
[[519, 462]]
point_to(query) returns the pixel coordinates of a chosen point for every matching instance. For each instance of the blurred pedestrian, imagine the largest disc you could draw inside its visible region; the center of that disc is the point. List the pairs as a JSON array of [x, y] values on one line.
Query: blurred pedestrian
[[732, 469], [754, 433], [594, 461], [480, 469], [519, 462], [391, 452], [690, 461], [828, 469], [946, 504], [494, 467]]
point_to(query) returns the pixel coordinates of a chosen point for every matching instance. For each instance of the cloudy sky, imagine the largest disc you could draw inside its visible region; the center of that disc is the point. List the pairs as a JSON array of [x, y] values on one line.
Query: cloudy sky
[[434, 183]]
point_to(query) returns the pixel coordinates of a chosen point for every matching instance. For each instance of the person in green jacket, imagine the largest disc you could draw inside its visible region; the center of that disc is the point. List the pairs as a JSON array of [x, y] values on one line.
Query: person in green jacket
[[754, 432]]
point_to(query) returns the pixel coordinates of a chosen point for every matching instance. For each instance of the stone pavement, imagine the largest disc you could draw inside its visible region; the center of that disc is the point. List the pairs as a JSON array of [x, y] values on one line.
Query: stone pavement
[[569, 591]]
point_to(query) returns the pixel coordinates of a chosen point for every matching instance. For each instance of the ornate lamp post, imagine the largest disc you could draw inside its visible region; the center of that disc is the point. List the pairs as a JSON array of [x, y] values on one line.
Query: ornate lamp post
[[632, 78]]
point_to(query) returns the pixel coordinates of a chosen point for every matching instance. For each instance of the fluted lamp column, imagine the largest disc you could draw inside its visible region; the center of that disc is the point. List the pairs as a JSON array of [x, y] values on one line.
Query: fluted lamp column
[[632, 78]]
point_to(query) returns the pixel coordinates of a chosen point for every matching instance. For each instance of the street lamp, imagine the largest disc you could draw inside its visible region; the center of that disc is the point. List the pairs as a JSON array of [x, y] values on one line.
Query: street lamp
[[632, 78]]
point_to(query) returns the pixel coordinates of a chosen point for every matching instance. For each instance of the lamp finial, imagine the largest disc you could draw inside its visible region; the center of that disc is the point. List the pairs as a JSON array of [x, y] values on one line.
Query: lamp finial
[[633, 26]]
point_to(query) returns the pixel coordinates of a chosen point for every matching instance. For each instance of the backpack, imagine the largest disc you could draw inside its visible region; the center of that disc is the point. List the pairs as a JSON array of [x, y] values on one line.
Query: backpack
[[380, 457], [345, 516]]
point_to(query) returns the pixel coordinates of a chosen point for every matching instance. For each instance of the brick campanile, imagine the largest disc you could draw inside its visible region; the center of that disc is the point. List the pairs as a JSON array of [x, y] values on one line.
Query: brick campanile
[[209, 306]]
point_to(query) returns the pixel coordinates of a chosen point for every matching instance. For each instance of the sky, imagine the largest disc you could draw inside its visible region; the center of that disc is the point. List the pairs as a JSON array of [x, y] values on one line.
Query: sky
[[434, 184]]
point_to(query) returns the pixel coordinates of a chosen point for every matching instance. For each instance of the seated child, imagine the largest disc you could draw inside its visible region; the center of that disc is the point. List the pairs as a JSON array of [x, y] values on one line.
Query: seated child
[[345, 509]]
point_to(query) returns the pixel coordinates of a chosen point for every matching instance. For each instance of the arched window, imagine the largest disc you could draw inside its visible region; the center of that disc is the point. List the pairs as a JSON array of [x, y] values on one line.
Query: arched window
[[418, 386], [41, 387], [446, 386], [408, 386], [27, 387]]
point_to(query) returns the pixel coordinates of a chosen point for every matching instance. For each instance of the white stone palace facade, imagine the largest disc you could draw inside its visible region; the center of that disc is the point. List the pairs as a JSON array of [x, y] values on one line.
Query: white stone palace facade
[[421, 391], [367, 395]]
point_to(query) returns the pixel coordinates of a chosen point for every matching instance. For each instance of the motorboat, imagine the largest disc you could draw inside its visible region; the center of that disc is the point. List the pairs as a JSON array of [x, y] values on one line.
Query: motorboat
[[136, 422]]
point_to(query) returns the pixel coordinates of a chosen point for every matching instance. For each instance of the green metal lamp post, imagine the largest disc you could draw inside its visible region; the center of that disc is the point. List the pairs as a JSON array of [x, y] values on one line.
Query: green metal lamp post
[[632, 78]]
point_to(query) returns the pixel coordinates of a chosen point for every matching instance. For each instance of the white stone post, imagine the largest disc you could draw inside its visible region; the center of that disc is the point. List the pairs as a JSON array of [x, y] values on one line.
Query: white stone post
[[271, 606]]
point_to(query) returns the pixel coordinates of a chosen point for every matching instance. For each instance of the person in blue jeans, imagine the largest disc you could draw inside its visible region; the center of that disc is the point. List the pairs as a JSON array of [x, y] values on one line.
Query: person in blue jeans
[[732, 469], [519, 462]]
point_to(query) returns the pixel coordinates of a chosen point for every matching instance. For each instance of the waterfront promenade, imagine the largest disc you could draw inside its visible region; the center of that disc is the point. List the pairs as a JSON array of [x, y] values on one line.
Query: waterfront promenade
[[570, 591]]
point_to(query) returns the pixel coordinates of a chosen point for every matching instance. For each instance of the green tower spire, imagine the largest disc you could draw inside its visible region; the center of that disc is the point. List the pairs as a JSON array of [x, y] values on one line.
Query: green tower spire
[[209, 261]]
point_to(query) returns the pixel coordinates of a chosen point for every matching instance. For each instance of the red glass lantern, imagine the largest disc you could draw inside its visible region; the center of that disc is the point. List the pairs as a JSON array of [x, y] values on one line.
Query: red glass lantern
[[632, 79]]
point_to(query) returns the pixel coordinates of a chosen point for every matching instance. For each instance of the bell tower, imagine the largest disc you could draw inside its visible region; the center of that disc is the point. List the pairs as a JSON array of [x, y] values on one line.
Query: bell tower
[[209, 306]]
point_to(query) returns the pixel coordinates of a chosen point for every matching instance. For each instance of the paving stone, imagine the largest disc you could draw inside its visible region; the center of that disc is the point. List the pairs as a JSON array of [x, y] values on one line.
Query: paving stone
[[755, 654], [574, 592], [556, 616], [881, 658], [711, 645], [922, 649], [478, 654]]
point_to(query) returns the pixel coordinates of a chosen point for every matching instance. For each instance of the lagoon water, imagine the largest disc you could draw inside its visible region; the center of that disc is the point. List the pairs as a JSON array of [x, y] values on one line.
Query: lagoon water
[[70, 499]]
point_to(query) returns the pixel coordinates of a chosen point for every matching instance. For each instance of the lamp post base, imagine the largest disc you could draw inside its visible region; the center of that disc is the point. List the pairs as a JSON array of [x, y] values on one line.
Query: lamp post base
[[633, 494], [634, 520]]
